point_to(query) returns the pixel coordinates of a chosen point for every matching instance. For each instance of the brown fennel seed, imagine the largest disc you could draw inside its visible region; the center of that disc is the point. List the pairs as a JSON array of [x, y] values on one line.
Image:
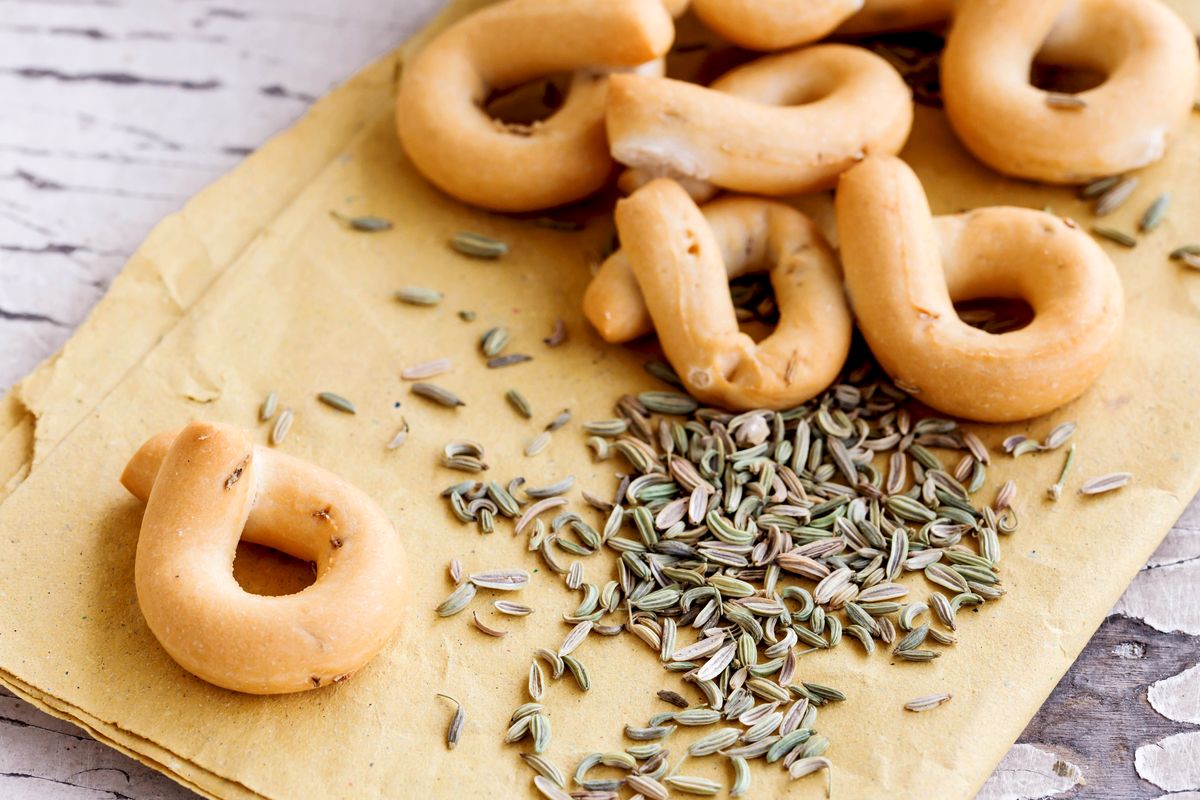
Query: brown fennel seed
[[545, 768], [537, 444], [476, 245], [428, 369], [928, 702], [558, 334], [674, 698], [1115, 236], [575, 638], [519, 403], [365, 224], [1155, 213], [336, 401], [1006, 495], [508, 360], [419, 296], [437, 394], [1066, 102], [1115, 197], [504, 580], [397, 441], [493, 341], [282, 425], [537, 682], [459, 599], [549, 789], [454, 732], [562, 419], [484, 628], [267, 409], [1105, 483], [1098, 187], [512, 609]]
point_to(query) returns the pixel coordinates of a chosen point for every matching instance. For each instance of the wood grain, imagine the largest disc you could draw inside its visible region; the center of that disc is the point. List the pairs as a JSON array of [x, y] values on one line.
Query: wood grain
[[116, 111]]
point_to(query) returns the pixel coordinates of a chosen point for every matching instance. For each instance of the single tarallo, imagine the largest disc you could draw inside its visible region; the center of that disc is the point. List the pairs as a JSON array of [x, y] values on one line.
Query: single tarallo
[[117, 111]]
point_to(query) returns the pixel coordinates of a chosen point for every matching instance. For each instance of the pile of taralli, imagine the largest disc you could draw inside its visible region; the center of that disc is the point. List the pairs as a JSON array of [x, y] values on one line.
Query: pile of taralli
[[748, 485]]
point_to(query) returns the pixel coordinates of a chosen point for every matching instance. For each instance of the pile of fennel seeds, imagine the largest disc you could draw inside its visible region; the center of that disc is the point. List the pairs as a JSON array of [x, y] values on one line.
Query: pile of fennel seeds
[[744, 542]]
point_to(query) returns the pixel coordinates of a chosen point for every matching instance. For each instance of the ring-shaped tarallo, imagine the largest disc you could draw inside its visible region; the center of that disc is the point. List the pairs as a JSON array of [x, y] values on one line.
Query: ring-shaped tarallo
[[682, 264], [780, 24], [774, 24], [208, 486], [905, 269], [1145, 52], [783, 124], [452, 141]]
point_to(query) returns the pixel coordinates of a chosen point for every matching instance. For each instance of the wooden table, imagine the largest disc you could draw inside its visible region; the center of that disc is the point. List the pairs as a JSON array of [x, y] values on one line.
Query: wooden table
[[116, 111]]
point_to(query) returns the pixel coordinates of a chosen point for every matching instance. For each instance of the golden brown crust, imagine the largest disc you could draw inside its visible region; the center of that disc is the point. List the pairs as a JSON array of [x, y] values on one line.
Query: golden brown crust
[[1144, 48], [780, 125], [682, 267], [774, 24], [904, 271], [564, 158], [208, 486]]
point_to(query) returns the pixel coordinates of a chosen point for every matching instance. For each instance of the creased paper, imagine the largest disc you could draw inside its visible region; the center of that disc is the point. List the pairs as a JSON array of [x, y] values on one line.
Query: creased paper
[[275, 295]]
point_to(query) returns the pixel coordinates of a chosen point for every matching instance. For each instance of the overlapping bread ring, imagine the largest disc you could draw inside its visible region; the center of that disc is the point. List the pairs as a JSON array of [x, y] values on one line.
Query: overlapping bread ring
[[904, 271], [682, 267], [1146, 51], [779, 24], [774, 24], [753, 234], [470, 156], [784, 124], [208, 486]]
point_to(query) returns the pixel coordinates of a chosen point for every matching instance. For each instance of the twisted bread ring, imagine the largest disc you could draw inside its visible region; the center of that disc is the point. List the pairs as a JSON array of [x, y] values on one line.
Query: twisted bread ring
[[1145, 50], [784, 124], [682, 266], [204, 485], [564, 158], [905, 269]]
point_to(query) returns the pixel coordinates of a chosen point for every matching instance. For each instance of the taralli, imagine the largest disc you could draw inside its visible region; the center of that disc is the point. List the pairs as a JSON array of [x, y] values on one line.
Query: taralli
[[753, 234], [774, 24], [905, 270], [682, 267], [481, 161], [879, 16], [784, 124], [1146, 52], [208, 486]]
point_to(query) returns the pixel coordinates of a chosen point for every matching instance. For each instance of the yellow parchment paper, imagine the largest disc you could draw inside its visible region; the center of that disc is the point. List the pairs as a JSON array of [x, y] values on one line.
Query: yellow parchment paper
[[254, 288]]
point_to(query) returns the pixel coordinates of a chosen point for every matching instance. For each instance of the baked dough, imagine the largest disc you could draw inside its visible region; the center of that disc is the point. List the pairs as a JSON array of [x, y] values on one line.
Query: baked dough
[[1146, 51], [483, 162], [905, 270], [208, 486], [682, 266], [780, 125]]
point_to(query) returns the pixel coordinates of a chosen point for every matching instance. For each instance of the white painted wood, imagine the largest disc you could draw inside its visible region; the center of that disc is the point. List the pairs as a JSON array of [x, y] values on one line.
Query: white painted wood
[[1029, 772], [116, 111], [1173, 763], [1178, 697]]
